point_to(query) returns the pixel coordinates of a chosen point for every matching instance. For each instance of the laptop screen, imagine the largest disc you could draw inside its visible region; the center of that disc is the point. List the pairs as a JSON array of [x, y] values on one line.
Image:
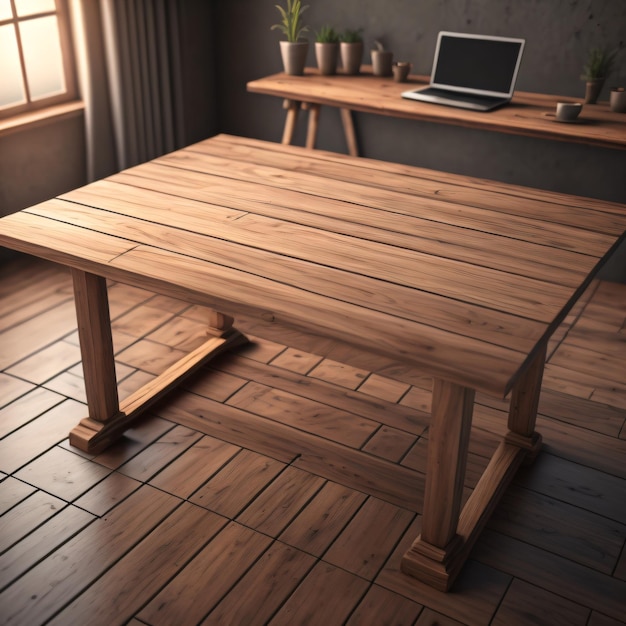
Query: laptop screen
[[477, 63]]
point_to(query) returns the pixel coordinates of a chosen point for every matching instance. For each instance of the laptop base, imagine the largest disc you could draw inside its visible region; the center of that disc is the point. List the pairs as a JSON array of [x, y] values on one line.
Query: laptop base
[[456, 99]]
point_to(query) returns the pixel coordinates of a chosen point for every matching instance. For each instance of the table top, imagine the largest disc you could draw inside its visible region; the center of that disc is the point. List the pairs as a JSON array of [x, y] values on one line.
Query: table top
[[461, 277], [528, 114]]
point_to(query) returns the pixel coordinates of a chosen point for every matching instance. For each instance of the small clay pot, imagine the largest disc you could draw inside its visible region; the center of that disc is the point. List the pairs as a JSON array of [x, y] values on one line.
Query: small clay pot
[[401, 71], [381, 62]]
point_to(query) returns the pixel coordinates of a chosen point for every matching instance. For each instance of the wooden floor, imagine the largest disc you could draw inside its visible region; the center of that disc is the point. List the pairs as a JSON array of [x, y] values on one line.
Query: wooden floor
[[278, 487]]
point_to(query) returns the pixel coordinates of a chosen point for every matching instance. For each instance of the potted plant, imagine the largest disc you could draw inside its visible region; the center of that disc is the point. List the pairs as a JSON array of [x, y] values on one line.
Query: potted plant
[[294, 49], [327, 50], [598, 67], [351, 49]]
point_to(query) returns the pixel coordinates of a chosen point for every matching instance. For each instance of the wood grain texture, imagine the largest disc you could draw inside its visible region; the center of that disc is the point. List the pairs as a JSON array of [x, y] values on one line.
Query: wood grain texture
[[463, 279], [527, 114], [564, 516], [461, 265]]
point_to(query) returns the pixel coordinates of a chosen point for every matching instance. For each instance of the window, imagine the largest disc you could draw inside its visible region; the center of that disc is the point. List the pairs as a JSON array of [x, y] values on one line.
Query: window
[[35, 56]]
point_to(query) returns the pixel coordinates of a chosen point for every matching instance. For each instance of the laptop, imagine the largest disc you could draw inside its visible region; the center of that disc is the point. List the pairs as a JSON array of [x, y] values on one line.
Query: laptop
[[475, 72]]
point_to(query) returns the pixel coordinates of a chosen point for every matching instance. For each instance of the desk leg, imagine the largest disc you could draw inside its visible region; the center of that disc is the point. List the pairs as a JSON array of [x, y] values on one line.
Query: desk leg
[[348, 129], [108, 418], [314, 119], [293, 108], [437, 555]]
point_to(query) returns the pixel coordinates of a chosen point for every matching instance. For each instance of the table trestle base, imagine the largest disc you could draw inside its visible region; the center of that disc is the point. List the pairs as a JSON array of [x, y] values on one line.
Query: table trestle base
[[108, 417], [93, 436], [439, 567]]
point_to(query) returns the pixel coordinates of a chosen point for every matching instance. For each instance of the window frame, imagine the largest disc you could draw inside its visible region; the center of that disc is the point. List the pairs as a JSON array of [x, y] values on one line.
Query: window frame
[[61, 12]]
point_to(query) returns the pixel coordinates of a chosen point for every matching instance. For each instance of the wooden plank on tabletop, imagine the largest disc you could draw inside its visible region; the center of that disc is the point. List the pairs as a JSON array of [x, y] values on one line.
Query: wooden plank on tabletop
[[245, 195], [484, 366], [468, 319], [484, 286], [247, 148], [428, 236], [59, 242], [394, 176], [350, 190]]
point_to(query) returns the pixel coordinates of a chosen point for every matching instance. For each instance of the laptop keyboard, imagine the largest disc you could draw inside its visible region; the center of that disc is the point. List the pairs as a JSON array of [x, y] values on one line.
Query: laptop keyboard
[[455, 96]]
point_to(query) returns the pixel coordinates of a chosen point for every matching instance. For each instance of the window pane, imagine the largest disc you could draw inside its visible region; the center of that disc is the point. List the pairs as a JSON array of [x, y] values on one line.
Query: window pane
[[30, 7], [5, 9], [42, 56], [11, 85]]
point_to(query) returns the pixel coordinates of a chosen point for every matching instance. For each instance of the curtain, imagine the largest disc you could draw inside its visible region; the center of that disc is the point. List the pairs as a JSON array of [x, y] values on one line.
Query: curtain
[[128, 63]]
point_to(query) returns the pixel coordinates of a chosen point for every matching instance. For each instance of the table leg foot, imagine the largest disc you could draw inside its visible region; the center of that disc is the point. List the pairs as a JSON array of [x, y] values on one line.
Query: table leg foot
[[437, 567], [93, 436]]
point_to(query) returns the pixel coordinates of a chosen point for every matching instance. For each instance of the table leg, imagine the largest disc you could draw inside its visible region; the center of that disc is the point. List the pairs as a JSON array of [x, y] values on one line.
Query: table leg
[[348, 129], [437, 555], [96, 345], [523, 409], [293, 107], [109, 418], [314, 118], [448, 440]]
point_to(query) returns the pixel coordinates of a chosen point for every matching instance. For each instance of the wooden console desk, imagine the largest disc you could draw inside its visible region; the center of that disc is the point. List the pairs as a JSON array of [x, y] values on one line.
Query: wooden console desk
[[528, 114]]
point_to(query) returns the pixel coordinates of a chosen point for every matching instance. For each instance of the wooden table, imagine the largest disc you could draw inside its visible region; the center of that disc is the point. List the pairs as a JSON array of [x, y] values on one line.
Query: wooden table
[[528, 114], [462, 278]]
